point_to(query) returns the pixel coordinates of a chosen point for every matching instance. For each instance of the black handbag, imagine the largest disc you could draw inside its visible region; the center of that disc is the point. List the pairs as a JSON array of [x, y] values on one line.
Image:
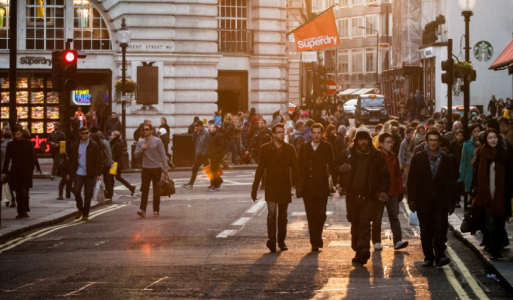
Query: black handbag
[[166, 186], [468, 224]]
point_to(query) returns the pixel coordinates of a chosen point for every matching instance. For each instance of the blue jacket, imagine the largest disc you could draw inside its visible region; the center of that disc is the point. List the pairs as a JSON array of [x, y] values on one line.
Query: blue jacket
[[466, 167], [218, 121]]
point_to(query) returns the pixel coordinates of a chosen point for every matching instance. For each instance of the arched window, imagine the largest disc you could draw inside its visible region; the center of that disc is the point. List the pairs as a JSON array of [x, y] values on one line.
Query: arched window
[[90, 31], [4, 24]]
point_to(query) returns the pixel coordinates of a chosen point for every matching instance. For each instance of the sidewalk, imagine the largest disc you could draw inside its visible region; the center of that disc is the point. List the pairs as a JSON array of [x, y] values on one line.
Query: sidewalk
[[502, 269]]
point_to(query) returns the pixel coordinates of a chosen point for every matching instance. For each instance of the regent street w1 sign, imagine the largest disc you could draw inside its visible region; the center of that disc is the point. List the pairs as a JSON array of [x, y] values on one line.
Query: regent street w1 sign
[[319, 33]]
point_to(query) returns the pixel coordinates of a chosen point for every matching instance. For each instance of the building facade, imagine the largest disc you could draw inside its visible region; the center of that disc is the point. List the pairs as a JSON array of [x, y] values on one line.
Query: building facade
[[204, 55]]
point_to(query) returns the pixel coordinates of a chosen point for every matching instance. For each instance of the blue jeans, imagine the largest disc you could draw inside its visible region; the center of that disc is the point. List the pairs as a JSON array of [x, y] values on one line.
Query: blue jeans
[[88, 183], [392, 206]]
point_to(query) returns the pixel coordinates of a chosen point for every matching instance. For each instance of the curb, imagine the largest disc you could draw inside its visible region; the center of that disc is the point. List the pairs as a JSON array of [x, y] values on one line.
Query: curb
[[459, 235], [52, 219]]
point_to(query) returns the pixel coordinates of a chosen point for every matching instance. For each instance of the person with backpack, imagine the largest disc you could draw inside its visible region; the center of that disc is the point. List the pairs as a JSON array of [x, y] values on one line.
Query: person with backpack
[[262, 136], [420, 103]]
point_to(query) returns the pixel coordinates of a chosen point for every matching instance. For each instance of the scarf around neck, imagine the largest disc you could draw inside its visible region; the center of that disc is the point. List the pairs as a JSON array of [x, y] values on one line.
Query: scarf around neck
[[483, 196], [434, 160]]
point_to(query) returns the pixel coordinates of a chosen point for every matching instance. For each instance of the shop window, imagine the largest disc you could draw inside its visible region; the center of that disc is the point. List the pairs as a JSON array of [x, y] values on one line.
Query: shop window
[[45, 24], [370, 60], [343, 61], [4, 24], [357, 61], [90, 31]]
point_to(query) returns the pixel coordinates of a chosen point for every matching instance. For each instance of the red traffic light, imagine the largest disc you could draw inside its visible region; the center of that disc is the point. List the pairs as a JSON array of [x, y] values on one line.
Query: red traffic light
[[69, 56]]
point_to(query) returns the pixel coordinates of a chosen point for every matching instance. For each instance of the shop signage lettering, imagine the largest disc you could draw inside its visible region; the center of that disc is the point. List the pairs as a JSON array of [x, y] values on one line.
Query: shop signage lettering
[[81, 97], [38, 142], [150, 47], [35, 60]]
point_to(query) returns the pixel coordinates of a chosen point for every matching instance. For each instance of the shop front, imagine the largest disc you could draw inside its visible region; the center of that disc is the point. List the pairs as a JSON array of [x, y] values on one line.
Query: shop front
[[39, 107]]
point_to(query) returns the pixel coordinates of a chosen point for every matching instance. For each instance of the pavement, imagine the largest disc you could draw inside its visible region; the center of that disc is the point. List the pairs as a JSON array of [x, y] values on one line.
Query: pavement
[[45, 210]]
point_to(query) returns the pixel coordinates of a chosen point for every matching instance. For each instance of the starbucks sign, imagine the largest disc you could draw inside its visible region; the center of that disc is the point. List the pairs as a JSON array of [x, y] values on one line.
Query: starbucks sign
[[483, 51]]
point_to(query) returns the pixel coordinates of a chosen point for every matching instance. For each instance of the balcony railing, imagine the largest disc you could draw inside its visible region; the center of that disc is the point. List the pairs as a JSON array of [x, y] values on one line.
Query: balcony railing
[[235, 40]]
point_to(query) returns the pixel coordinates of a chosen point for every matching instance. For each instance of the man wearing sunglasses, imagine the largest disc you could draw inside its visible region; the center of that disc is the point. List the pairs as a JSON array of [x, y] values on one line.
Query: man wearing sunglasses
[[151, 149], [86, 165]]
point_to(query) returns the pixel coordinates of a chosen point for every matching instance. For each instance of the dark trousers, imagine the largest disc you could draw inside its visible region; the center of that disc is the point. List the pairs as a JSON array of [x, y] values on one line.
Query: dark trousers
[[214, 167], [277, 214], [392, 206], [433, 232], [198, 161], [150, 176], [316, 215], [120, 179], [66, 183], [56, 160], [22, 198], [108, 183], [361, 216], [87, 182]]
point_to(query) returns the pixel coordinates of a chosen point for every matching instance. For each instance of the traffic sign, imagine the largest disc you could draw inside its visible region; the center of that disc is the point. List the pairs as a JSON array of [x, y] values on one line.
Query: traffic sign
[[384, 46], [331, 87]]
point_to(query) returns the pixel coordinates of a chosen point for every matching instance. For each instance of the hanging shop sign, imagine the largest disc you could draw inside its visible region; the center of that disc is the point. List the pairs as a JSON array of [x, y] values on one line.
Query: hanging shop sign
[[81, 97]]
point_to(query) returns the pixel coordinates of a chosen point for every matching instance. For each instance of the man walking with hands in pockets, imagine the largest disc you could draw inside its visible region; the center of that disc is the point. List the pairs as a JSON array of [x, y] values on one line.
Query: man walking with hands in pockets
[[154, 163], [278, 159]]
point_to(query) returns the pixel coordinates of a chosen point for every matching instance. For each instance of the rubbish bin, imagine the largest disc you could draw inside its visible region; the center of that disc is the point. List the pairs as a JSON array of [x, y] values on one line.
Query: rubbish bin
[[136, 161], [183, 150]]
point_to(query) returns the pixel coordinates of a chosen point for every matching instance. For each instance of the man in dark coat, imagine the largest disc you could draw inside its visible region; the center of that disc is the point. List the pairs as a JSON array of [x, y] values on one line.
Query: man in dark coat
[[262, 136], [278, 159], [315, 159], [366, 180], [54, 139], [86, 167], [112, 124], [19, 155], [432, 193], [216, 151], [201, 139]]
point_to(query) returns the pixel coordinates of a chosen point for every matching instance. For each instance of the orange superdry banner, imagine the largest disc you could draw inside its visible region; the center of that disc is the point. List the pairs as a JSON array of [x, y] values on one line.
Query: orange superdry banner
[[319, 33]]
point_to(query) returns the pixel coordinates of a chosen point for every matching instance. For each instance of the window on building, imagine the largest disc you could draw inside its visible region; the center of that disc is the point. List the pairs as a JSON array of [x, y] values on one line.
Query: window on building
[[356, 2], [343, 61], [370, 60], [343, 3], [234, 35], [4, 24], [371, 25], [45, 24], [343, 28], [90, 31], [357, 61], [355, 31], [320, 5], [368, 2]]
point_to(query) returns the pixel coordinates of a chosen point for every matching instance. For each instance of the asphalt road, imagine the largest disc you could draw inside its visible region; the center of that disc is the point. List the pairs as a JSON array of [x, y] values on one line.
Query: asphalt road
[[212, 245]]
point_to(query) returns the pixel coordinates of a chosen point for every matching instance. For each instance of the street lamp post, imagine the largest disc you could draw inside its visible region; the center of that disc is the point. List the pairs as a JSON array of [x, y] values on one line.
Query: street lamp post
[[377, 51], [466, 11], [123, 39]]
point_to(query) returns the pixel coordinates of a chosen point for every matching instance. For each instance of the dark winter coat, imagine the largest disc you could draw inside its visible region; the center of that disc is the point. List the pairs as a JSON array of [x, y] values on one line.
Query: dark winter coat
[[63, 169], [261, 137], [20, 155], [55, 137], [94, 163], [216, 148], [116, 147], [279, 168], [111, 125], [316, 167], [165, 137], [201, 140], [427, 193]]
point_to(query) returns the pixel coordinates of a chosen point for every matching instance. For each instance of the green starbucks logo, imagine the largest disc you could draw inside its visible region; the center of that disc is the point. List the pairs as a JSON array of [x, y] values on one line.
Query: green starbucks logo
[[483, 51]]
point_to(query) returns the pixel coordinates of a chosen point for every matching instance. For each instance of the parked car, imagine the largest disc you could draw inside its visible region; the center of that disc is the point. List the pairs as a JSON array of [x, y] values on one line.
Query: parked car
[[371, 109], [459, 109], [350, 107]]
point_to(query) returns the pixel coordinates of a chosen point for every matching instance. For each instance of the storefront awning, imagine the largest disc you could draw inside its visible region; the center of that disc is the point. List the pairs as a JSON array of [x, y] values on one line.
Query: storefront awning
[[504, 60], [347, 92], [362, 91]]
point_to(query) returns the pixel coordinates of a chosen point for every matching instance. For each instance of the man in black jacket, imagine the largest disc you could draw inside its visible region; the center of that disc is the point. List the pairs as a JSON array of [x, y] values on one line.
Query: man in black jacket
[[432, 193], [86, 167], [262, 136], [366, 180], [54, 139], [315, 158], [279, 160], [112, 124]]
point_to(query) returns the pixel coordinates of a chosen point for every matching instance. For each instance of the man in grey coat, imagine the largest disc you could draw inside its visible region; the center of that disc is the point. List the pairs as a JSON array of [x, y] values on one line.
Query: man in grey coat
[[201, 139]]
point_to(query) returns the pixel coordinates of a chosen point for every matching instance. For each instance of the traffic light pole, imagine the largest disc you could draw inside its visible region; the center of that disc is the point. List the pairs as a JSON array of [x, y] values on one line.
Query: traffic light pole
[[449, 86], [123, 103], [13, 67]]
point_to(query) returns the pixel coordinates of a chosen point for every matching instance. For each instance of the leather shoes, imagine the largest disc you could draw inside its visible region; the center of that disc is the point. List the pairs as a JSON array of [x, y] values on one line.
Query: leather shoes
[[271, 245], [442, 262], [283, 247], [315, 249], [427, 263], [19, 217], [132, 190]]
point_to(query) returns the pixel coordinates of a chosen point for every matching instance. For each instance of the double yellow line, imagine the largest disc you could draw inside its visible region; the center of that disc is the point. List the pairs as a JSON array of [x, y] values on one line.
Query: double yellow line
[[18, 241]]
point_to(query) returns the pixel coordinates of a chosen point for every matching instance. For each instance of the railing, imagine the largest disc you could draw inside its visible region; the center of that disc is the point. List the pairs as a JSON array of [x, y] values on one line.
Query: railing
[[235, 40]]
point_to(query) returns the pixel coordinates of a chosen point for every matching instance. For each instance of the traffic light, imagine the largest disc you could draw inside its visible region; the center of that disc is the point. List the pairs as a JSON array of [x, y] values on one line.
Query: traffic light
[[57, 71], [322, 80], [448, 67], [69, 69]]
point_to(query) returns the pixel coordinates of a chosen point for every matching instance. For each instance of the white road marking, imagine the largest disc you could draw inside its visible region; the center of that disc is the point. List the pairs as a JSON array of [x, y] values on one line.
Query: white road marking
[[256, 207], [241, 221], [80, 289], [226, 233], [23, 286], [148, 289]]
